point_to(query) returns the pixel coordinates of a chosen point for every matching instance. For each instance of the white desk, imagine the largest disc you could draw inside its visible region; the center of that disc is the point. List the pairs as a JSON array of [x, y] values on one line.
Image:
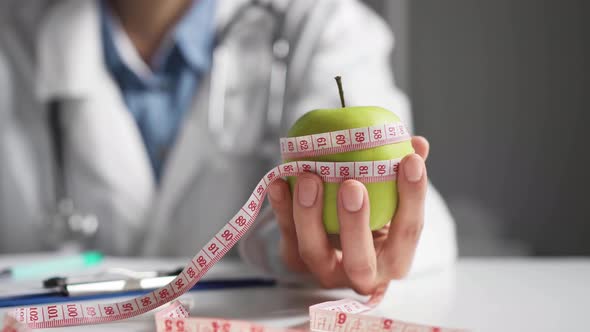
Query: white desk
[[482, 294]]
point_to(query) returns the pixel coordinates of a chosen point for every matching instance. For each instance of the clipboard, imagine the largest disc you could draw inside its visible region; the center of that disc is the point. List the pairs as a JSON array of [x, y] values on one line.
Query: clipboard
[[37, 298]]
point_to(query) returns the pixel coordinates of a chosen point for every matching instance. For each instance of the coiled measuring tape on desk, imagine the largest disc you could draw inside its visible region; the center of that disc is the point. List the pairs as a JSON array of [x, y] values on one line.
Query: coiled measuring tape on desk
[[344, 315]]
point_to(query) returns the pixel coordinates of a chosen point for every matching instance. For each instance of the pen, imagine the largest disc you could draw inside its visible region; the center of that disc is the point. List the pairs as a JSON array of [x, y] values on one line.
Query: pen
[[52, 266], [128, 285]]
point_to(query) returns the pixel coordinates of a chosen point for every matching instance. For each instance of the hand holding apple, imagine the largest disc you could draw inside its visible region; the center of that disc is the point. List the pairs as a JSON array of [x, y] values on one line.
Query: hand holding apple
[[373, 247], [365, 260]]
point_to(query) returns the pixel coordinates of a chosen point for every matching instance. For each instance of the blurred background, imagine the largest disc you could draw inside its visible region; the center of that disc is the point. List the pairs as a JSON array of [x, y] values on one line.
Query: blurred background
[[502, 90]]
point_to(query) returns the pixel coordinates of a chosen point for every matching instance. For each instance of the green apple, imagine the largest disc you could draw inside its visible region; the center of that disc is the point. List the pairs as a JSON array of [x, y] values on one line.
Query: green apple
[[383, 196]]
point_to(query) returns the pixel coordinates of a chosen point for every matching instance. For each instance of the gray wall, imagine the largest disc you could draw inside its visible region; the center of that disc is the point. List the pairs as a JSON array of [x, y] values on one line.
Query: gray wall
[[501, 89]]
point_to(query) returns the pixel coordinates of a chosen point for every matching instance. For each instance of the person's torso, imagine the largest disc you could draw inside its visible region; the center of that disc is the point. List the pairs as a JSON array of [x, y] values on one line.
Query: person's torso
[[211, 169]]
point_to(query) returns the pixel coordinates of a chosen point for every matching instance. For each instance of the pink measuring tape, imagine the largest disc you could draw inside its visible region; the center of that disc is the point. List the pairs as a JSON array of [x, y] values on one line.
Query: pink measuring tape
[[343, 315]]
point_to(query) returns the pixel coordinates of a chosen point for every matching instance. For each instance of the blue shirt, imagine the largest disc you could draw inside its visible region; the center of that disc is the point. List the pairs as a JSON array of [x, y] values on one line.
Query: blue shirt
[[159, 98]]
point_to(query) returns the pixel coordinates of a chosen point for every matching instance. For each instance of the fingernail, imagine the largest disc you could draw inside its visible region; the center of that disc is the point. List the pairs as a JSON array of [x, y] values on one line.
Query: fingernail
[[276, 193], [352, 196], [308, 190], [413, 169]]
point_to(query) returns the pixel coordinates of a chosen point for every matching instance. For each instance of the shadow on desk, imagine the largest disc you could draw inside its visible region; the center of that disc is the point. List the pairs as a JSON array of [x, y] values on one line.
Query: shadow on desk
[[258, 303]]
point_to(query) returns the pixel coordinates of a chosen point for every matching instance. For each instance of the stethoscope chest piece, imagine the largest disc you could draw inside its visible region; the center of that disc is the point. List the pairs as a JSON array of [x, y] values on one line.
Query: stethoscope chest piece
[[69, 227]]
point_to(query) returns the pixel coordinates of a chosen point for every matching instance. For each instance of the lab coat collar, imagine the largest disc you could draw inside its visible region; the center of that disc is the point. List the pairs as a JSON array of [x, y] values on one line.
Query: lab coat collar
[[69, 51]]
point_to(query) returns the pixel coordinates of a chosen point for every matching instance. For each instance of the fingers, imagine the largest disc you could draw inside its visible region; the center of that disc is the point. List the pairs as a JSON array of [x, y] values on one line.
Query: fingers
[[314, 247], [421, 146], [279, 197], [398, 252], [358, 251]]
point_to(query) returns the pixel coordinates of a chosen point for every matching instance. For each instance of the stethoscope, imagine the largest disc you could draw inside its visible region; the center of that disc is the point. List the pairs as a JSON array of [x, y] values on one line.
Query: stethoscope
[[69, 226], [277, 83]]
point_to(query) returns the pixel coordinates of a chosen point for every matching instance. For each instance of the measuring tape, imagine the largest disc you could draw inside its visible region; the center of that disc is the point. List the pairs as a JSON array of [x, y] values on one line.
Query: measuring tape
[[344, 315], [343, 140]]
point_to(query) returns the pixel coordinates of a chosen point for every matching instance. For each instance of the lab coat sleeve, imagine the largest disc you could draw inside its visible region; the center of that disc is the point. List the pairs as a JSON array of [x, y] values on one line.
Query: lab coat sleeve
[[355, 44]]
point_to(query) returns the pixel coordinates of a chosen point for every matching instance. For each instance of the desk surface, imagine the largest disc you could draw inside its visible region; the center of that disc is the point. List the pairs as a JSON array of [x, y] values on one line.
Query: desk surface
[[481, 294]]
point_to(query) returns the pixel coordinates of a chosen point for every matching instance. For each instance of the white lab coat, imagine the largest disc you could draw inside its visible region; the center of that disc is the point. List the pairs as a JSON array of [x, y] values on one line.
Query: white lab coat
[[52, 49]]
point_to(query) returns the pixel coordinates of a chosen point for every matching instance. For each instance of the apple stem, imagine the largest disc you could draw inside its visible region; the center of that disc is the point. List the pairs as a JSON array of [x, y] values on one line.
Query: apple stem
[[340, 90]]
